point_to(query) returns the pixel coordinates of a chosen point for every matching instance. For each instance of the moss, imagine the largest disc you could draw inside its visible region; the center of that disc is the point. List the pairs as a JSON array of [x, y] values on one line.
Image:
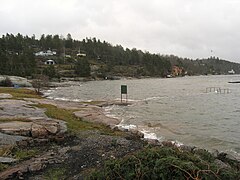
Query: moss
[[20, 93], [55, 174], [3, 166], [23, 154]]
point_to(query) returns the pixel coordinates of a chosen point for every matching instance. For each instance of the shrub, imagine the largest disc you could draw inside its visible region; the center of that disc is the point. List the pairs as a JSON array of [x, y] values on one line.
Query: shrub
[[6, 82], [164, 163]]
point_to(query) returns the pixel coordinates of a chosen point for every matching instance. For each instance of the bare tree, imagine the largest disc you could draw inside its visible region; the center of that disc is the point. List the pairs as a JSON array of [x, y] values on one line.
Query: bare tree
[[40, 82]]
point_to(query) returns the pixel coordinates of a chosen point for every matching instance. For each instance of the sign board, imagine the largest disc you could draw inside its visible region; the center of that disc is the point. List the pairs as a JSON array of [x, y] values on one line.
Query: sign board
[[123, 89]]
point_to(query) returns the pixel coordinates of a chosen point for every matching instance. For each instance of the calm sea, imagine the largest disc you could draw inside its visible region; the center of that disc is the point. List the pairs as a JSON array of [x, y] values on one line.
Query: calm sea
[[177, 109]]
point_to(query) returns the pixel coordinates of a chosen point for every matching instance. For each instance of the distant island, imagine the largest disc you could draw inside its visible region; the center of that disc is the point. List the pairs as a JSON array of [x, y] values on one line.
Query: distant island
[[57, 57]]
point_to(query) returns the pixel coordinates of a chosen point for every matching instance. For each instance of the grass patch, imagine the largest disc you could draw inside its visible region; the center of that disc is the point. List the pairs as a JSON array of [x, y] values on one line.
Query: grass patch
[[55, 174], [20, 93], [6, 150], [74, 123], [23, 154], [2, 120], [3, 166]]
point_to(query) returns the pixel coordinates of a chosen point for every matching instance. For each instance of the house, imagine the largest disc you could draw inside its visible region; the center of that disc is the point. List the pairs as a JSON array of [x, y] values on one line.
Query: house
[[231, 72], [81, 54], [177, 71], [46, 53], [49, 62]]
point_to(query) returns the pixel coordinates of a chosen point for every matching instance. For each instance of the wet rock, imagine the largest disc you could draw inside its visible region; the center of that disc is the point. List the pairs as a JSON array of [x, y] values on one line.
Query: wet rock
[[136, 132], [153, 142], [7, 160], [168, 144], [95, 115], [187, 148], [221, 165], [215, 153]]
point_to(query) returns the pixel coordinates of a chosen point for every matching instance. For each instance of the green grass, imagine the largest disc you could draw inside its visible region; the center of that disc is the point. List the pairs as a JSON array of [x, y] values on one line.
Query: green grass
[[2, 120], [22, 154], [18, 153], [74, 123], [3, 166], [20, 93]]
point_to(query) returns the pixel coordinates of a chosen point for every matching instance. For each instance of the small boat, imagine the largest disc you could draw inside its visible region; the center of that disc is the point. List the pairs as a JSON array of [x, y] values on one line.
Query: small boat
[[234, 82]]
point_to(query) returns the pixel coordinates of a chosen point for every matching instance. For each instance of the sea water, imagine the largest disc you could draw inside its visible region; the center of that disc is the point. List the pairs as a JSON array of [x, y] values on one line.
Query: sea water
[[176, 109]]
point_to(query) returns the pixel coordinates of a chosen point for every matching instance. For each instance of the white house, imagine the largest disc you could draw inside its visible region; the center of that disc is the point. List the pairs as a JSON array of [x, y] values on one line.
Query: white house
[[49, 62], [81, 54], [231, 72], [46, 53]]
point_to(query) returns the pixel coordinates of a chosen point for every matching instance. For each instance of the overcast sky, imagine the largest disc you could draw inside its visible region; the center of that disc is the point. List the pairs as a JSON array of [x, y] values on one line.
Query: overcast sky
[[187, 28]]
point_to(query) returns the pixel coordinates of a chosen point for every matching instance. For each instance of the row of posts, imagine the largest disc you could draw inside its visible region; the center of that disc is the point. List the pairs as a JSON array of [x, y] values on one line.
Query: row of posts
[[218, 90]]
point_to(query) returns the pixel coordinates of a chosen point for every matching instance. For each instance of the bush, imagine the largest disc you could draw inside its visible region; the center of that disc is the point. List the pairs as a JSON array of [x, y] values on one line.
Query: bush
[[6, 82], [164, 163]]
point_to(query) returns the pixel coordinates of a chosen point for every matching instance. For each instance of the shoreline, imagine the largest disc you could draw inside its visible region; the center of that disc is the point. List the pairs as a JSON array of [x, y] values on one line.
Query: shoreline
[[143, 133], [81, 143]]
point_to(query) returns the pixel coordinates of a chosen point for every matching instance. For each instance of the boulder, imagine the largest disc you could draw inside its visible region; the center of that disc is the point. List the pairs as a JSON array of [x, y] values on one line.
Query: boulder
[[38, 131]]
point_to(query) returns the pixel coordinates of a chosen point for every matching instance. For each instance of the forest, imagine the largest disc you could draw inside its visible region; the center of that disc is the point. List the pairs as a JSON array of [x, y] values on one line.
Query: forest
[[98, 59]]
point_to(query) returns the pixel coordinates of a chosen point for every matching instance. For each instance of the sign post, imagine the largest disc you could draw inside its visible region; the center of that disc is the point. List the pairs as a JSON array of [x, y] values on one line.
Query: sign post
[[123, 91]]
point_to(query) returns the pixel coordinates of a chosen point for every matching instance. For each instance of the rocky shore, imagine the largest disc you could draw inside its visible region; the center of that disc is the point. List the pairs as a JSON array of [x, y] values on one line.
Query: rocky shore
[[47, 139]]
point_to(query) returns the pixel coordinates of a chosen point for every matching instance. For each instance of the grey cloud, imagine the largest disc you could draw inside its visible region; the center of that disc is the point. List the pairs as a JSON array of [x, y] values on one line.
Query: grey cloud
[[188, 28]]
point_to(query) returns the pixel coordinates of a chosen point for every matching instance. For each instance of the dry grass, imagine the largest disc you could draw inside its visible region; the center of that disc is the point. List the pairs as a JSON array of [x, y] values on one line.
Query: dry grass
[[20, 93]]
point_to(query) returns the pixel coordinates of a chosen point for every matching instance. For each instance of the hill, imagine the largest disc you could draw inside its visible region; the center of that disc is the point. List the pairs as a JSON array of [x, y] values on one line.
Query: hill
[[57, 56]]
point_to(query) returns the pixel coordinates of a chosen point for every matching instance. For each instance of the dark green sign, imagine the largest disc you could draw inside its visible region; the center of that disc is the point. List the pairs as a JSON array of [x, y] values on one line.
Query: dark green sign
[[123, 89]]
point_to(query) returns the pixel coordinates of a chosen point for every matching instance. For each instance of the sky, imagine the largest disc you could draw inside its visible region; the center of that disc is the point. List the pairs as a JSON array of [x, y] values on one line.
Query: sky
[[186, 28]]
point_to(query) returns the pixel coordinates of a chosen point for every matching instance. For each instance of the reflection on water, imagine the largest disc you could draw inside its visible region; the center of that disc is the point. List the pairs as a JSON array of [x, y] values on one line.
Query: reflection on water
[[174, 109]]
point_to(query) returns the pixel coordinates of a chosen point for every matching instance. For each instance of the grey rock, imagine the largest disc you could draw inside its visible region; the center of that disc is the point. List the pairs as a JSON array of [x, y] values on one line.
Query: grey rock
[[137, 133], [20, 109], [7, 160], [187, 148], [6, 139], [221, 164], [23, 82], [5, 96], [154, 142]]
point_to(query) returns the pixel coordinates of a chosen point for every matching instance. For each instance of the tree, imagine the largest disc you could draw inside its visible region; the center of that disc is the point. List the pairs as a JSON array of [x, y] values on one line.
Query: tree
[[69, 41], [82, 67], [50, 71], [40, 82]]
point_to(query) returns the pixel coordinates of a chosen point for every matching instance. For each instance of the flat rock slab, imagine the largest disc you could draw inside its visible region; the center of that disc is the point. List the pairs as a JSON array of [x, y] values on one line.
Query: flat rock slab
[[19, 108], [7, 160], [6, 139], [40, 128], [5, 96], [92, 115]]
